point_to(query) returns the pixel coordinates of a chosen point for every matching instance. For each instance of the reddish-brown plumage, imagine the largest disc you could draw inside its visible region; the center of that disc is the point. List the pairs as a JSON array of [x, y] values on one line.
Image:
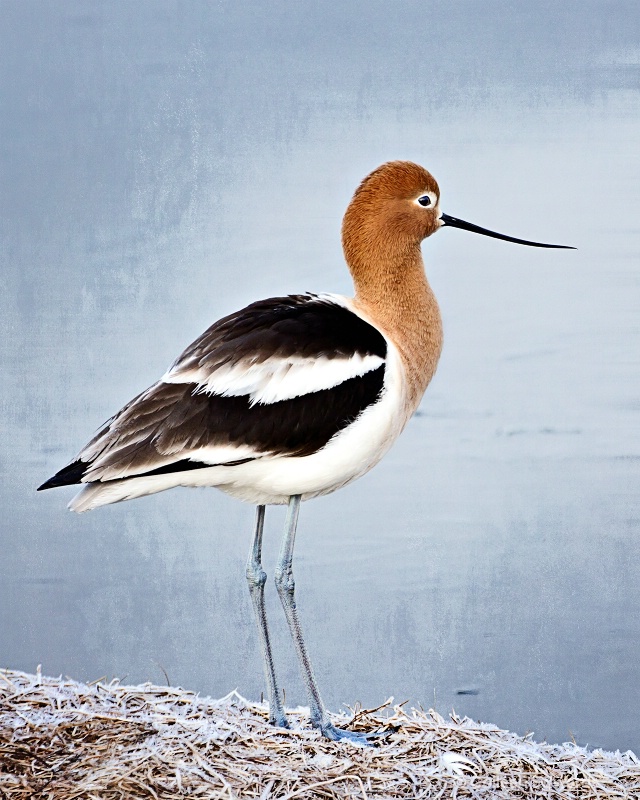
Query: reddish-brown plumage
[[381, 235]]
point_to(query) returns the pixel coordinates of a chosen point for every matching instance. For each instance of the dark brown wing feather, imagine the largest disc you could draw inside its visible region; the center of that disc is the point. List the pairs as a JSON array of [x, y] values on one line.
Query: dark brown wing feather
[[164, 428], [303, 325]]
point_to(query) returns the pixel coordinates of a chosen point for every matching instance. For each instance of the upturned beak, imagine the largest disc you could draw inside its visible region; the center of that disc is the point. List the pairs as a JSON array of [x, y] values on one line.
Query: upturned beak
[[454, 222]]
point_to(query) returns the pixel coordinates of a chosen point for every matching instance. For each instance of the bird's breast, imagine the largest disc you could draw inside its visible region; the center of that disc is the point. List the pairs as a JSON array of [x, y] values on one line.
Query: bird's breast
[[413, 327]]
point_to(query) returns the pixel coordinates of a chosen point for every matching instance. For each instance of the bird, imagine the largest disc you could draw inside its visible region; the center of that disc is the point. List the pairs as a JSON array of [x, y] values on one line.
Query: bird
[[292, 397]]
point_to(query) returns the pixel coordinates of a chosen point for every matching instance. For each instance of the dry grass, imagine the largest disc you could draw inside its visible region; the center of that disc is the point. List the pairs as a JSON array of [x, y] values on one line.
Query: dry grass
[[67, 740]]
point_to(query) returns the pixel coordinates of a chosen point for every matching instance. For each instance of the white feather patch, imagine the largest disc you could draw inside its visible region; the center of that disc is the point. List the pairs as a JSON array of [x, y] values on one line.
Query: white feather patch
[[215, 455], [277, 378]]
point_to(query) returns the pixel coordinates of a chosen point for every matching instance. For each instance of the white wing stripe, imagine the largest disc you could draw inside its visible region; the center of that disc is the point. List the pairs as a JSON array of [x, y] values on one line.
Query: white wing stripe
[[277, 378], [213, 454]]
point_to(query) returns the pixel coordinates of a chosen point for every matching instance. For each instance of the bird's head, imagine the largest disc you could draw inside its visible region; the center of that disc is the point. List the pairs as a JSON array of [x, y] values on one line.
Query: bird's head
[[398, 203], [395, 208]]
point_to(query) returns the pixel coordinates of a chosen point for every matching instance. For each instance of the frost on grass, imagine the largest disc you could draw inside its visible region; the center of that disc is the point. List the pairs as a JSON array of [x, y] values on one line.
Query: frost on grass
[[64, 740]]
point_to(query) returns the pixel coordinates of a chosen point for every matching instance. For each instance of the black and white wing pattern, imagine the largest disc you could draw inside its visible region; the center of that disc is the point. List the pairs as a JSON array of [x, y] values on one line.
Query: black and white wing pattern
[[281, 377]]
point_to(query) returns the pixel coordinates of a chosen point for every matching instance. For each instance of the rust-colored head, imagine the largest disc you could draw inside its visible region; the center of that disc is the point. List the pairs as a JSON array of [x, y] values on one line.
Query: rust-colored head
[[395, 207], [392, 211]]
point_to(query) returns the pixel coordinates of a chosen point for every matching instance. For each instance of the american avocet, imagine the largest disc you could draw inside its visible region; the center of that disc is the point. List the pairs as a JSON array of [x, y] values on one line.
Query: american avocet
[[292, 397]]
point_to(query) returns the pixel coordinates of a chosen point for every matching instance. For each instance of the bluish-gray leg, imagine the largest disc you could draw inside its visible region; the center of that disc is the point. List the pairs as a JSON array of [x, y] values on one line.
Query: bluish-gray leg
[[256, 578], [286, 589]]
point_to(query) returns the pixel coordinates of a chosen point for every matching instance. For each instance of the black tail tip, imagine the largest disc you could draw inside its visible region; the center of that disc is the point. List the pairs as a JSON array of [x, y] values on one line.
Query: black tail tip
[[68, 476]]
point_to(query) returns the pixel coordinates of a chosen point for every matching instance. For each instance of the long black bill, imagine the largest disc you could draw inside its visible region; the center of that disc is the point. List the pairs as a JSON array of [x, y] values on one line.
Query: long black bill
[[454, 222]]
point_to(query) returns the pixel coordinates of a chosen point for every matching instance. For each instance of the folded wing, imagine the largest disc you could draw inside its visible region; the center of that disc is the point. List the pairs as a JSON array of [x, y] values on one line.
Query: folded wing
[[281, 377]]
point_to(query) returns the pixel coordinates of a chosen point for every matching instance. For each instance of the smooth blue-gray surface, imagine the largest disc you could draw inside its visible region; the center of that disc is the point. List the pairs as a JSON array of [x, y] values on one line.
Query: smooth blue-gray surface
[[163, 163]]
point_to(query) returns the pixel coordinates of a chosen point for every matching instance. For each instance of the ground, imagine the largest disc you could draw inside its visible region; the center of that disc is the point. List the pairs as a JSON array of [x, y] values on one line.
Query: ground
[[64, 740]]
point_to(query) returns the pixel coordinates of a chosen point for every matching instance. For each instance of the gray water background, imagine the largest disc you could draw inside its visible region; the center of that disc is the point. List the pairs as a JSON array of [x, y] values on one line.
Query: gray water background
[[163, 163]]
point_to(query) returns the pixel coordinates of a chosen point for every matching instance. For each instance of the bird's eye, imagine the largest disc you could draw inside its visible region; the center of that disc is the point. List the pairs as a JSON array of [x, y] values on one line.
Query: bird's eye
[[425, 200]]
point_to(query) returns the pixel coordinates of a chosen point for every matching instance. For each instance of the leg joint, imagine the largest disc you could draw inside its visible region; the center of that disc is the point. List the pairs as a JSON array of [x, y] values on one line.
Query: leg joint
[[284, 580], [256, 576]]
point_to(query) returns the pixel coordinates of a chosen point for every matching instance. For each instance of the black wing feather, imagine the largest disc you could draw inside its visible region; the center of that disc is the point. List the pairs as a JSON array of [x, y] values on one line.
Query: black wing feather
[[303, 325], [152, 433]]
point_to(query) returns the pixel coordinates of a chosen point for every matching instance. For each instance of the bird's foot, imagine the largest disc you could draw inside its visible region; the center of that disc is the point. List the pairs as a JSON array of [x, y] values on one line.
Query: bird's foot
[[329, 731], [279, 719]]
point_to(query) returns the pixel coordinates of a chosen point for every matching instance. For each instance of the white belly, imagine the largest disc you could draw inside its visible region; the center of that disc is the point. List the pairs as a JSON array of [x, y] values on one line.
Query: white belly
[[347, 456]]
